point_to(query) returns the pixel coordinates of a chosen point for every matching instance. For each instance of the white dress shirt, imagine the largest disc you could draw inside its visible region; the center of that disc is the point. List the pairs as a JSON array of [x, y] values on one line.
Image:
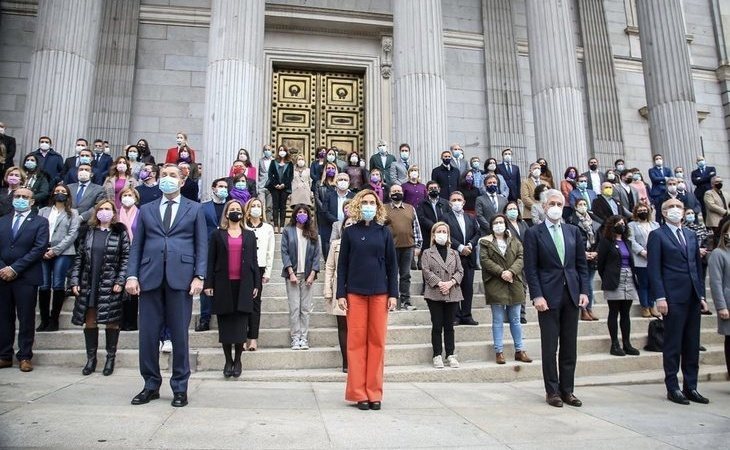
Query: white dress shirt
[[175, 207]]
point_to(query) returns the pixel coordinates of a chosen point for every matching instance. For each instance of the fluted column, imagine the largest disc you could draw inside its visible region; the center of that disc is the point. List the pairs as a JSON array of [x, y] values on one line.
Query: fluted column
[[112, 105], [418, 74], [61, 80], [234, 93], [556, 97], [670, 96], [504, 98], [604, 115]]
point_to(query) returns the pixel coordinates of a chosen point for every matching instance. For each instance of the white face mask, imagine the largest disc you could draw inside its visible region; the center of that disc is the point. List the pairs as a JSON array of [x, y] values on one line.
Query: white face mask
[[492, 167], [343, 185], [674, 215], [2, 130], [45, 147], [84, 176], [79, 148], [300, 163], [555, 213], [535, 173], [441, 238], [414, 175], [256, 211], [128, 201], [243, 158], [499, 228], [457, 206], [282, 154]]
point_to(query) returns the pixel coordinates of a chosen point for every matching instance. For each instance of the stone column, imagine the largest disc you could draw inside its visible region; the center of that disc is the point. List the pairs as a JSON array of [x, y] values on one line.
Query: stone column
[[419, 87], [234, 93], [604, 116], [670, 96], [556, 96], [112, 105], [61, 80]]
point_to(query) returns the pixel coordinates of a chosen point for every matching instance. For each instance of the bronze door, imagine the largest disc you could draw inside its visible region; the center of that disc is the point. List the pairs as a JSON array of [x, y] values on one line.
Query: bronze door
[[310, 109]]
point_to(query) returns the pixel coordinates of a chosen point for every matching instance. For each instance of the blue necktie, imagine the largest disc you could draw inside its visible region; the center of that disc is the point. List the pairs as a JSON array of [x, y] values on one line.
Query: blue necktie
[[16, 224]]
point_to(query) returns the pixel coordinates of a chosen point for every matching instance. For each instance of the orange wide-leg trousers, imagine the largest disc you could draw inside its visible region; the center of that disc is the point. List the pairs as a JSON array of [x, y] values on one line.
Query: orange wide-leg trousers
[[367, 322]]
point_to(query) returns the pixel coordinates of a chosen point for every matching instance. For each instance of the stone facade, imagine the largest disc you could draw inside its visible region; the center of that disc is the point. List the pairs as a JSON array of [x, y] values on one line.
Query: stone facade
[[171, 59]]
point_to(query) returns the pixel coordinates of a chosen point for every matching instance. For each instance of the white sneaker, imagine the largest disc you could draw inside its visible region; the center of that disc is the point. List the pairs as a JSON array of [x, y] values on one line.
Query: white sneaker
[[167, 346], [438, 362], [295, 344], [452, 362], [303, 344]]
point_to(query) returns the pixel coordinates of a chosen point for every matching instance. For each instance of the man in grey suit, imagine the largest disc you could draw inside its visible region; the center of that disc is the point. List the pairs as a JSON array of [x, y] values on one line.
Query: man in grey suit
[[85, 194], [167, 266], [626, 195], [489, 204], [263, 179], [399, 168]]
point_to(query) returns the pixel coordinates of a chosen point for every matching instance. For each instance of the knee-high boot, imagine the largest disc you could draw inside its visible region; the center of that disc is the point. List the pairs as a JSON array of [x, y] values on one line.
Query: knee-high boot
[[59, 295], [91, 336], [44, 301], [112, 338]]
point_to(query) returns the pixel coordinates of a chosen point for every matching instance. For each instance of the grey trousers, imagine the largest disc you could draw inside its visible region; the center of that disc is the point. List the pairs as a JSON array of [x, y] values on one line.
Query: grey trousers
[[405, 258], [265, 197], [300, 307]]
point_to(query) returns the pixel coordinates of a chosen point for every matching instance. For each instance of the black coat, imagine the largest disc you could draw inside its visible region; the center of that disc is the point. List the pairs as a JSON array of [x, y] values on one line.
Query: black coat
[[427, 219], [448, 180], [114, 271], [217, 276], [609, 263], [286, 177]]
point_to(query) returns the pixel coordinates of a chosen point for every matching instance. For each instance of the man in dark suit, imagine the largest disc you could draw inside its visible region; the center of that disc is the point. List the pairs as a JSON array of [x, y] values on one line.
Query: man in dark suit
[[489, 204], [167, 267], [594, 177], [9, 153], [382, 161], [101, 163], [511, 174], [464, 238], [49, 161], [332, 208], [581, 191], [557, 275], [606, 204], [677, 285], [72, 171], [659, 174], [702, 179], [446, 176], [85, 194], [431, 210], [23, 241], [73, 162]]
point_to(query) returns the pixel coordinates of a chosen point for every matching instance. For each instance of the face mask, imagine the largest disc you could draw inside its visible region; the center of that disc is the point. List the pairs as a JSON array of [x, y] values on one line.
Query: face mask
[[330, 172], [354, 160], [235, 216], [674, 215], [45, 147], [682, 187], [610, 177], [701, 164], [619, 228], [475, 165], [2, 130], [469, 180], [512, 214], [636, 177], [458, 154], [571, 175], [184, 155], [179, 141], [256, 211], [658, 162], [237, 170], [396, 197], [133, 156], [441, 238], [107, 150], [60, 197], [382, 149], [241, 185], [84, 176], [404, 156], [446, 161], [368, 212], [689, 218], [375, 178], [414, 175], [607, 192], [121, 168], [98, 150], [499, 228], [330, 158], [21, 204], [321, 155], [492, 188], [79, 148], [672, 188], [620, 167], [582, 185], [282, 154], [343, 185], [84, 159], [362, 163], [128, 201], [302, 218], [13, 180], [643, 215], [267, 153], [104, 215], [543, 168], [433, 193], [30, 165], [718, 186], [555, 213], [457, 206], [535, 173], [679, 175], [507, 158], [492, 167], [243, 158], [144, 174], [221, 193], [300, 163], [582, 209], [593, 166], [169, 185]]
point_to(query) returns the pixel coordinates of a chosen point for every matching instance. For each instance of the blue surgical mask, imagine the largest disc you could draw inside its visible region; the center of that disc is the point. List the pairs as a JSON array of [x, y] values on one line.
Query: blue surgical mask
[[21, 204], [404, 156], [582, 185], [30, 165], [267, 153], [512, 214], [241, 185], [84, 160], [368, 212], [221, 193], [689, 218], [169, 185]]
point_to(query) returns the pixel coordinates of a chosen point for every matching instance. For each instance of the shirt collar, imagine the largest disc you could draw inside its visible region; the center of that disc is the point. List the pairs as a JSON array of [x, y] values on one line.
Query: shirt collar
[[174, 200], [549, 224], [672, 227]]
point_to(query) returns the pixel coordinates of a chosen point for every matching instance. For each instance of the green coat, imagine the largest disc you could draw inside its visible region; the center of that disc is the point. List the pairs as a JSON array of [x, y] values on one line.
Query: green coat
[[496, 290]]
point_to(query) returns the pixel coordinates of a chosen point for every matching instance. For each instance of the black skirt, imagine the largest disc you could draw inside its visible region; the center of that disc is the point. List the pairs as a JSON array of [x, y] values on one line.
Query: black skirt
[[233, 327]]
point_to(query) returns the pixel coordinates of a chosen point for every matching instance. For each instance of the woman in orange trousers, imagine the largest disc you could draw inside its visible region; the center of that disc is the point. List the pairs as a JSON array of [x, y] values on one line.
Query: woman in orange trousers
[[367, 288]]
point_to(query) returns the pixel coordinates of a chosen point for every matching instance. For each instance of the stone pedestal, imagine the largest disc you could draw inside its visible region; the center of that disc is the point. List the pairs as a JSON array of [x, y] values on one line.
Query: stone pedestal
[[556, 96], [62, 71], [419, 87], [234, 95]]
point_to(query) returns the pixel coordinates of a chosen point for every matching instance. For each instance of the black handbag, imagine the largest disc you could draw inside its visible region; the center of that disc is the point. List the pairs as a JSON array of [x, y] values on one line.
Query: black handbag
[[655, 341]]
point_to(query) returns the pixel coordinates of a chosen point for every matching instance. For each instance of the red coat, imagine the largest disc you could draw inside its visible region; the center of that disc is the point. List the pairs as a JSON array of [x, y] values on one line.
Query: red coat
[[172, 154]]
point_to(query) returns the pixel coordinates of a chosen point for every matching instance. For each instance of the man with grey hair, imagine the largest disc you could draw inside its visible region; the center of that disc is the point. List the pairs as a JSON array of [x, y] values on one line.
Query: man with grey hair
[[557, 275], [459, 162]]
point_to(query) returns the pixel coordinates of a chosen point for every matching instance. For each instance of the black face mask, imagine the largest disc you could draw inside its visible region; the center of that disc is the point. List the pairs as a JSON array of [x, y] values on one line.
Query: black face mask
[[446, 161], [593, 166], [397, 197], [643, 215], [543, 169], [718, 186], [61, 198], [619, 228], [235, 216], [433, 193]]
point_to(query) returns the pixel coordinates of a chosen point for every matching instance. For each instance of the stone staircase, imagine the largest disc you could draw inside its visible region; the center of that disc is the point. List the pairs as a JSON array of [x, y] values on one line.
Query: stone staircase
[[408, 353]]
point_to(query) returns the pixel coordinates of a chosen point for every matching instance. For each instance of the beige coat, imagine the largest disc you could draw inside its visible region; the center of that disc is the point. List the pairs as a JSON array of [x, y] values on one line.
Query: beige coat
[[715, 209], [330, 280], [435, 270]]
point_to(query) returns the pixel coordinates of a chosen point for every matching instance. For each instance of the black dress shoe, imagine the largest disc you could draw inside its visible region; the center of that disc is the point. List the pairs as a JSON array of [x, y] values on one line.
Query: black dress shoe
[[523, 320], [572, 400], [694, 396], [344, 370], [237, 369], [228, 370], [180, 399], [363, 406], [469, 322], [203, 325], [145, 396], [677, 397], [375, 406], [554, 400]]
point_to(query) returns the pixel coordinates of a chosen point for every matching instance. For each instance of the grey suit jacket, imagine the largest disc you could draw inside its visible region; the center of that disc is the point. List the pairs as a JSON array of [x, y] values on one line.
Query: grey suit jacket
[[719, 269], [485, 210], [263, 174], [399, 172], [92, 195], [620, 194], [289, 253], [64, 232]]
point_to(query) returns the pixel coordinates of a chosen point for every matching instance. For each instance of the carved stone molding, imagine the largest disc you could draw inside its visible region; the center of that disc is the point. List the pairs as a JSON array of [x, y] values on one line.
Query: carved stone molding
[[386, 67]]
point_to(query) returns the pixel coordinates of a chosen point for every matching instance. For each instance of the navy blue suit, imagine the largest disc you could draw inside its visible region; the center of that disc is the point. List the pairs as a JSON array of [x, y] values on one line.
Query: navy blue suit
[[328, 216], [676, 275], [514, 182], [212, 220], [23, 253], [658, 178], [561, 286], [469, 263], [165, 263], [100, 167], [701, 178]]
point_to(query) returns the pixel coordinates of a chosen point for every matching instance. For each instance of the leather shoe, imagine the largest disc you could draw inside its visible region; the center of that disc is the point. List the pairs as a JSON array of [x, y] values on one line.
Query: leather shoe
[[554, 400], [228, 370], [469, 322], [5, 363], [375, 406], [145, 396], [202, 325], [237, 369], [180, 399], [572, 400], [694, 396], [363, 406], [677, 397], [585, 315], [26, 365], [521, 356], [499, 358]]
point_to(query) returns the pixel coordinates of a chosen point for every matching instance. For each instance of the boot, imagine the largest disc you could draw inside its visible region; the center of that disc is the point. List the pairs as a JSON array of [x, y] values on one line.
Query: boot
[[91, 336], [44, 301], [629, 349], [585, 315], [645, 312], [112, 338], [655, 312], [59, 295], [592, 314], [616, 349]]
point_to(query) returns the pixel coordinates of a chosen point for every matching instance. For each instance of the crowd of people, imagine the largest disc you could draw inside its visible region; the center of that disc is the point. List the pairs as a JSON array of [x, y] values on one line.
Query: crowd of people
[[114, 229]]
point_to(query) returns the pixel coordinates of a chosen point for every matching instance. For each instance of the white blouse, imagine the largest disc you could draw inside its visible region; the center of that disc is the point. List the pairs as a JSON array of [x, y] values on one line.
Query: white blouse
[[264, 246]]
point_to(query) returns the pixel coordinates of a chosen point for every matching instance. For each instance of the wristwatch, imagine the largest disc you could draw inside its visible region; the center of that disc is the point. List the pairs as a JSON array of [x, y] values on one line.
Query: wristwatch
[[200, 277]]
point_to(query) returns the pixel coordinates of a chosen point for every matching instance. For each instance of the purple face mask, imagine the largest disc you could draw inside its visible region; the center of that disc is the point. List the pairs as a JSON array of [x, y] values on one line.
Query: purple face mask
[[330, 172], [104, 215], [302, 218]]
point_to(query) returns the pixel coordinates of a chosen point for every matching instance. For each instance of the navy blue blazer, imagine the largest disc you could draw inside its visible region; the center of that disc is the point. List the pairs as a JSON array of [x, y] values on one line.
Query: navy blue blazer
[[513, 180], [177, 255], [546, 276], [212, 220], [101, 167], [329, 204], [675, 274], [658, 181], [457, 237], [24, 253], [576, 195]]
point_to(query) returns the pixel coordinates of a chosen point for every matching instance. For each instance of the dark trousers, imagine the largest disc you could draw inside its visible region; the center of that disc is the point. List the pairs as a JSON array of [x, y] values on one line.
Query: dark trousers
[[727, 353], [17, 299], [130, 309], [157, 308], [442, 319], [278, 207], [682, 344], [206, 305], [254, 319], [559, 328], [618, 308], [467, 291], [405, 259]]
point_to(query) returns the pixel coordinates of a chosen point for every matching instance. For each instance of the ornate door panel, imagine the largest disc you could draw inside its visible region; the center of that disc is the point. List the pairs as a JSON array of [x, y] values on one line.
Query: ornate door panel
[[310, 109]]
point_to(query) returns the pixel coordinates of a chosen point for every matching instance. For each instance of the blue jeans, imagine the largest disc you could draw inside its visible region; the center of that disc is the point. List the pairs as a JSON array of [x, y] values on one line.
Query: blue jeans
[[515, 328], [642, 276], [591, 276], [55, 271]]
